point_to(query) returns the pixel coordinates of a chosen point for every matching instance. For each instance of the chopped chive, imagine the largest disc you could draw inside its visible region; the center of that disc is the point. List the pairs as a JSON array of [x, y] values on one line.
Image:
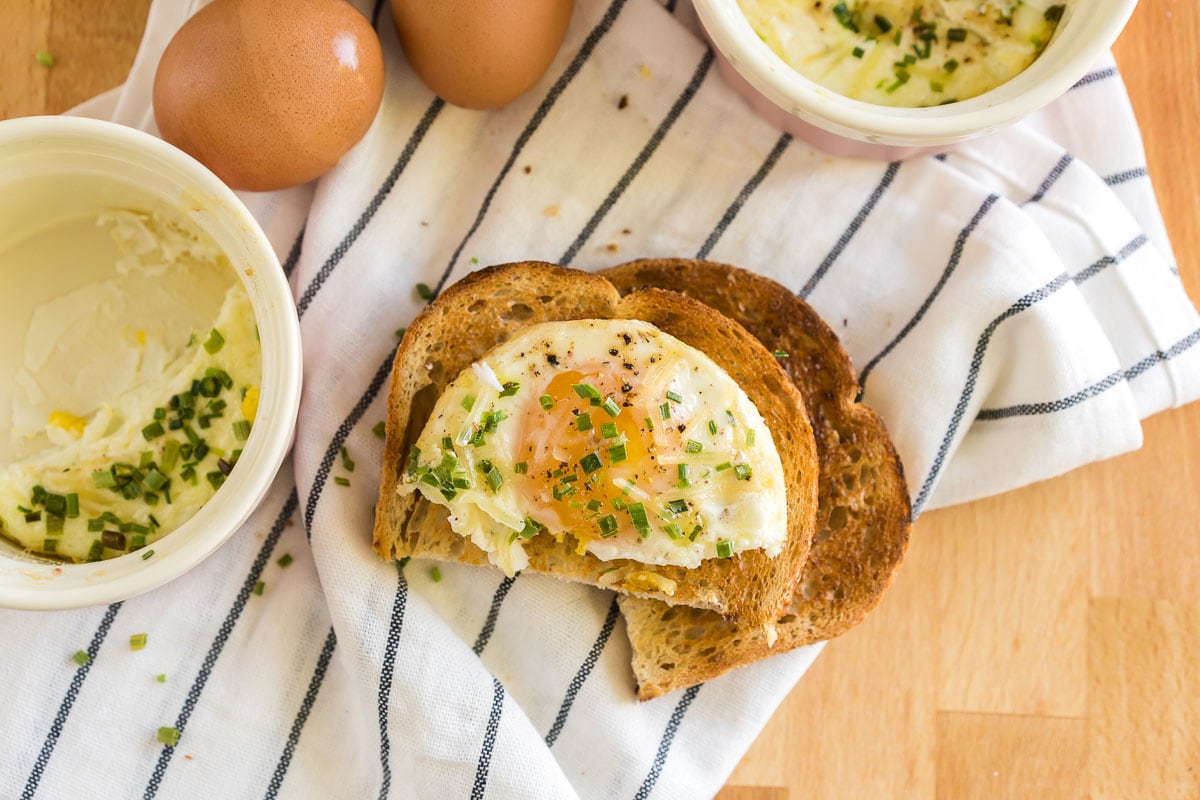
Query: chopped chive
[[594, 505], [845, 17], [724, 548], [468, 402], [96, 550], [693, 446], [674, 532], [521, 467], [33, 516], [665, 411], [447, 443], [590, 463], [347, 463], [586, 391], [435, 574], [259, 587], [608, 526], [958, 34], [161, 677], [616, 454], [214, 342], [675, 397], [380, 430], [153, 431], [649, 424], [750, 437], [114, 539], [510, 388], [611, 407], [50, 545], [724, 465], [695, 532], [146, 555], [400, 332], [1052, 14], [216, 478], [168, 736], [54, 524], [937, 86], [583, 422], [341, 481], [241, 430], [45, 59], [103, 479], [81, 657], [495, 479], [609, 430], [712, 427], [743, 472], [883, 23], [637, 513], [617, 503], [547, 402], [95, 525], [137, 641], [858, 52], [285, 560], [950, 65], [684, 481], [424, 292], [677, 506]]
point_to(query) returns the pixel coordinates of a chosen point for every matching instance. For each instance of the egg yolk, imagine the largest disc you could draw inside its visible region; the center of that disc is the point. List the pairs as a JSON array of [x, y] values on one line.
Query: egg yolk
[[590, 447]]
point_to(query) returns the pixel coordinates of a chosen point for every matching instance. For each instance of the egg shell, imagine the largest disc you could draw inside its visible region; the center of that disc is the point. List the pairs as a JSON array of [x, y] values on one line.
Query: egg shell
[[480, 53], [269, 94]]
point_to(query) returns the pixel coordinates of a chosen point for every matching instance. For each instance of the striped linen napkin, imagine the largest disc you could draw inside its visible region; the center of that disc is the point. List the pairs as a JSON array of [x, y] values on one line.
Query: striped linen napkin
[[1012, 308]]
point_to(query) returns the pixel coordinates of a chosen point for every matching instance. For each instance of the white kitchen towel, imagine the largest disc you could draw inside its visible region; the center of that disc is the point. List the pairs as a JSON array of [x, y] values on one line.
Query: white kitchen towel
[[1013, 309]]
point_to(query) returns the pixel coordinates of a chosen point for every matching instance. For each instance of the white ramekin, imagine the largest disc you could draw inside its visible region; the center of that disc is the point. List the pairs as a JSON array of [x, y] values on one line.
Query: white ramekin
[[846, 127], [80, 165]]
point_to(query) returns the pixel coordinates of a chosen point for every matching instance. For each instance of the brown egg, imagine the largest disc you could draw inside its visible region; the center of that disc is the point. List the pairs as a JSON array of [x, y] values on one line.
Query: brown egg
[[269, 94], [480, 53]]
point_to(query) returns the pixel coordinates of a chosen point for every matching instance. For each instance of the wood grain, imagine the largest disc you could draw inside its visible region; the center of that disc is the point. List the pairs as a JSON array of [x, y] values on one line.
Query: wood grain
[[1038, 644]]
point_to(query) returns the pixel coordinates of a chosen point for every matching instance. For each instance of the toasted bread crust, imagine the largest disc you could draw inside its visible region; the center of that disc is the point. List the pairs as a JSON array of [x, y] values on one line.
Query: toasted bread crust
[[490, 306], [863, 510]]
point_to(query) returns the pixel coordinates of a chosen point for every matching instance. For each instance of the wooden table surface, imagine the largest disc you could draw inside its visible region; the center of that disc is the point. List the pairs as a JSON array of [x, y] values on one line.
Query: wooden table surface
[[1040, 644]]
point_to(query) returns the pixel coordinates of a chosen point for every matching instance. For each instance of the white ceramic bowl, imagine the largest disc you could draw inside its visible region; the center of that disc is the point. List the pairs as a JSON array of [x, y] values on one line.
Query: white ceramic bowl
[[58, 166], [839, 125]]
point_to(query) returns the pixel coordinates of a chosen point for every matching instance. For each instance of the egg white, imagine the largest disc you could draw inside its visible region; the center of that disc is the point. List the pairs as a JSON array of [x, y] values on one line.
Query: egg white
[[522, 444]]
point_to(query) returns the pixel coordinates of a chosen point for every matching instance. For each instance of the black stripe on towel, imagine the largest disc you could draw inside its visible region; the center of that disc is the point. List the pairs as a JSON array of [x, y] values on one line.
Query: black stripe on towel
[[310, 697], [218, 644], [339, 439], [582, 673], [385, 188], [651, 146], [664, 746], [1126, 175], [68, 701], [889, 175], [960, 409], [560, 85], [386, 671], [1135, 244], [489, 742], [955, 256], [1051, 178], [755, 181], [1093, 77], [489, 624], [293, 256], [1098, 388]]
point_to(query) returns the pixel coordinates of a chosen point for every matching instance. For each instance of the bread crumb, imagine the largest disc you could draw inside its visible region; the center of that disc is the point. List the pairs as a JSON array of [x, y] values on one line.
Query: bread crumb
[[528, 169], [626, 231], [623, 103], [644, 71], [550, 211], [611, 247], [771, 633]]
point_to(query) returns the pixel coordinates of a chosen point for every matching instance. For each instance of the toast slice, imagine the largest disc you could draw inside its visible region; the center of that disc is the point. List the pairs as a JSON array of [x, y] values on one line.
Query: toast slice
[[863, 509], [490, 306]]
